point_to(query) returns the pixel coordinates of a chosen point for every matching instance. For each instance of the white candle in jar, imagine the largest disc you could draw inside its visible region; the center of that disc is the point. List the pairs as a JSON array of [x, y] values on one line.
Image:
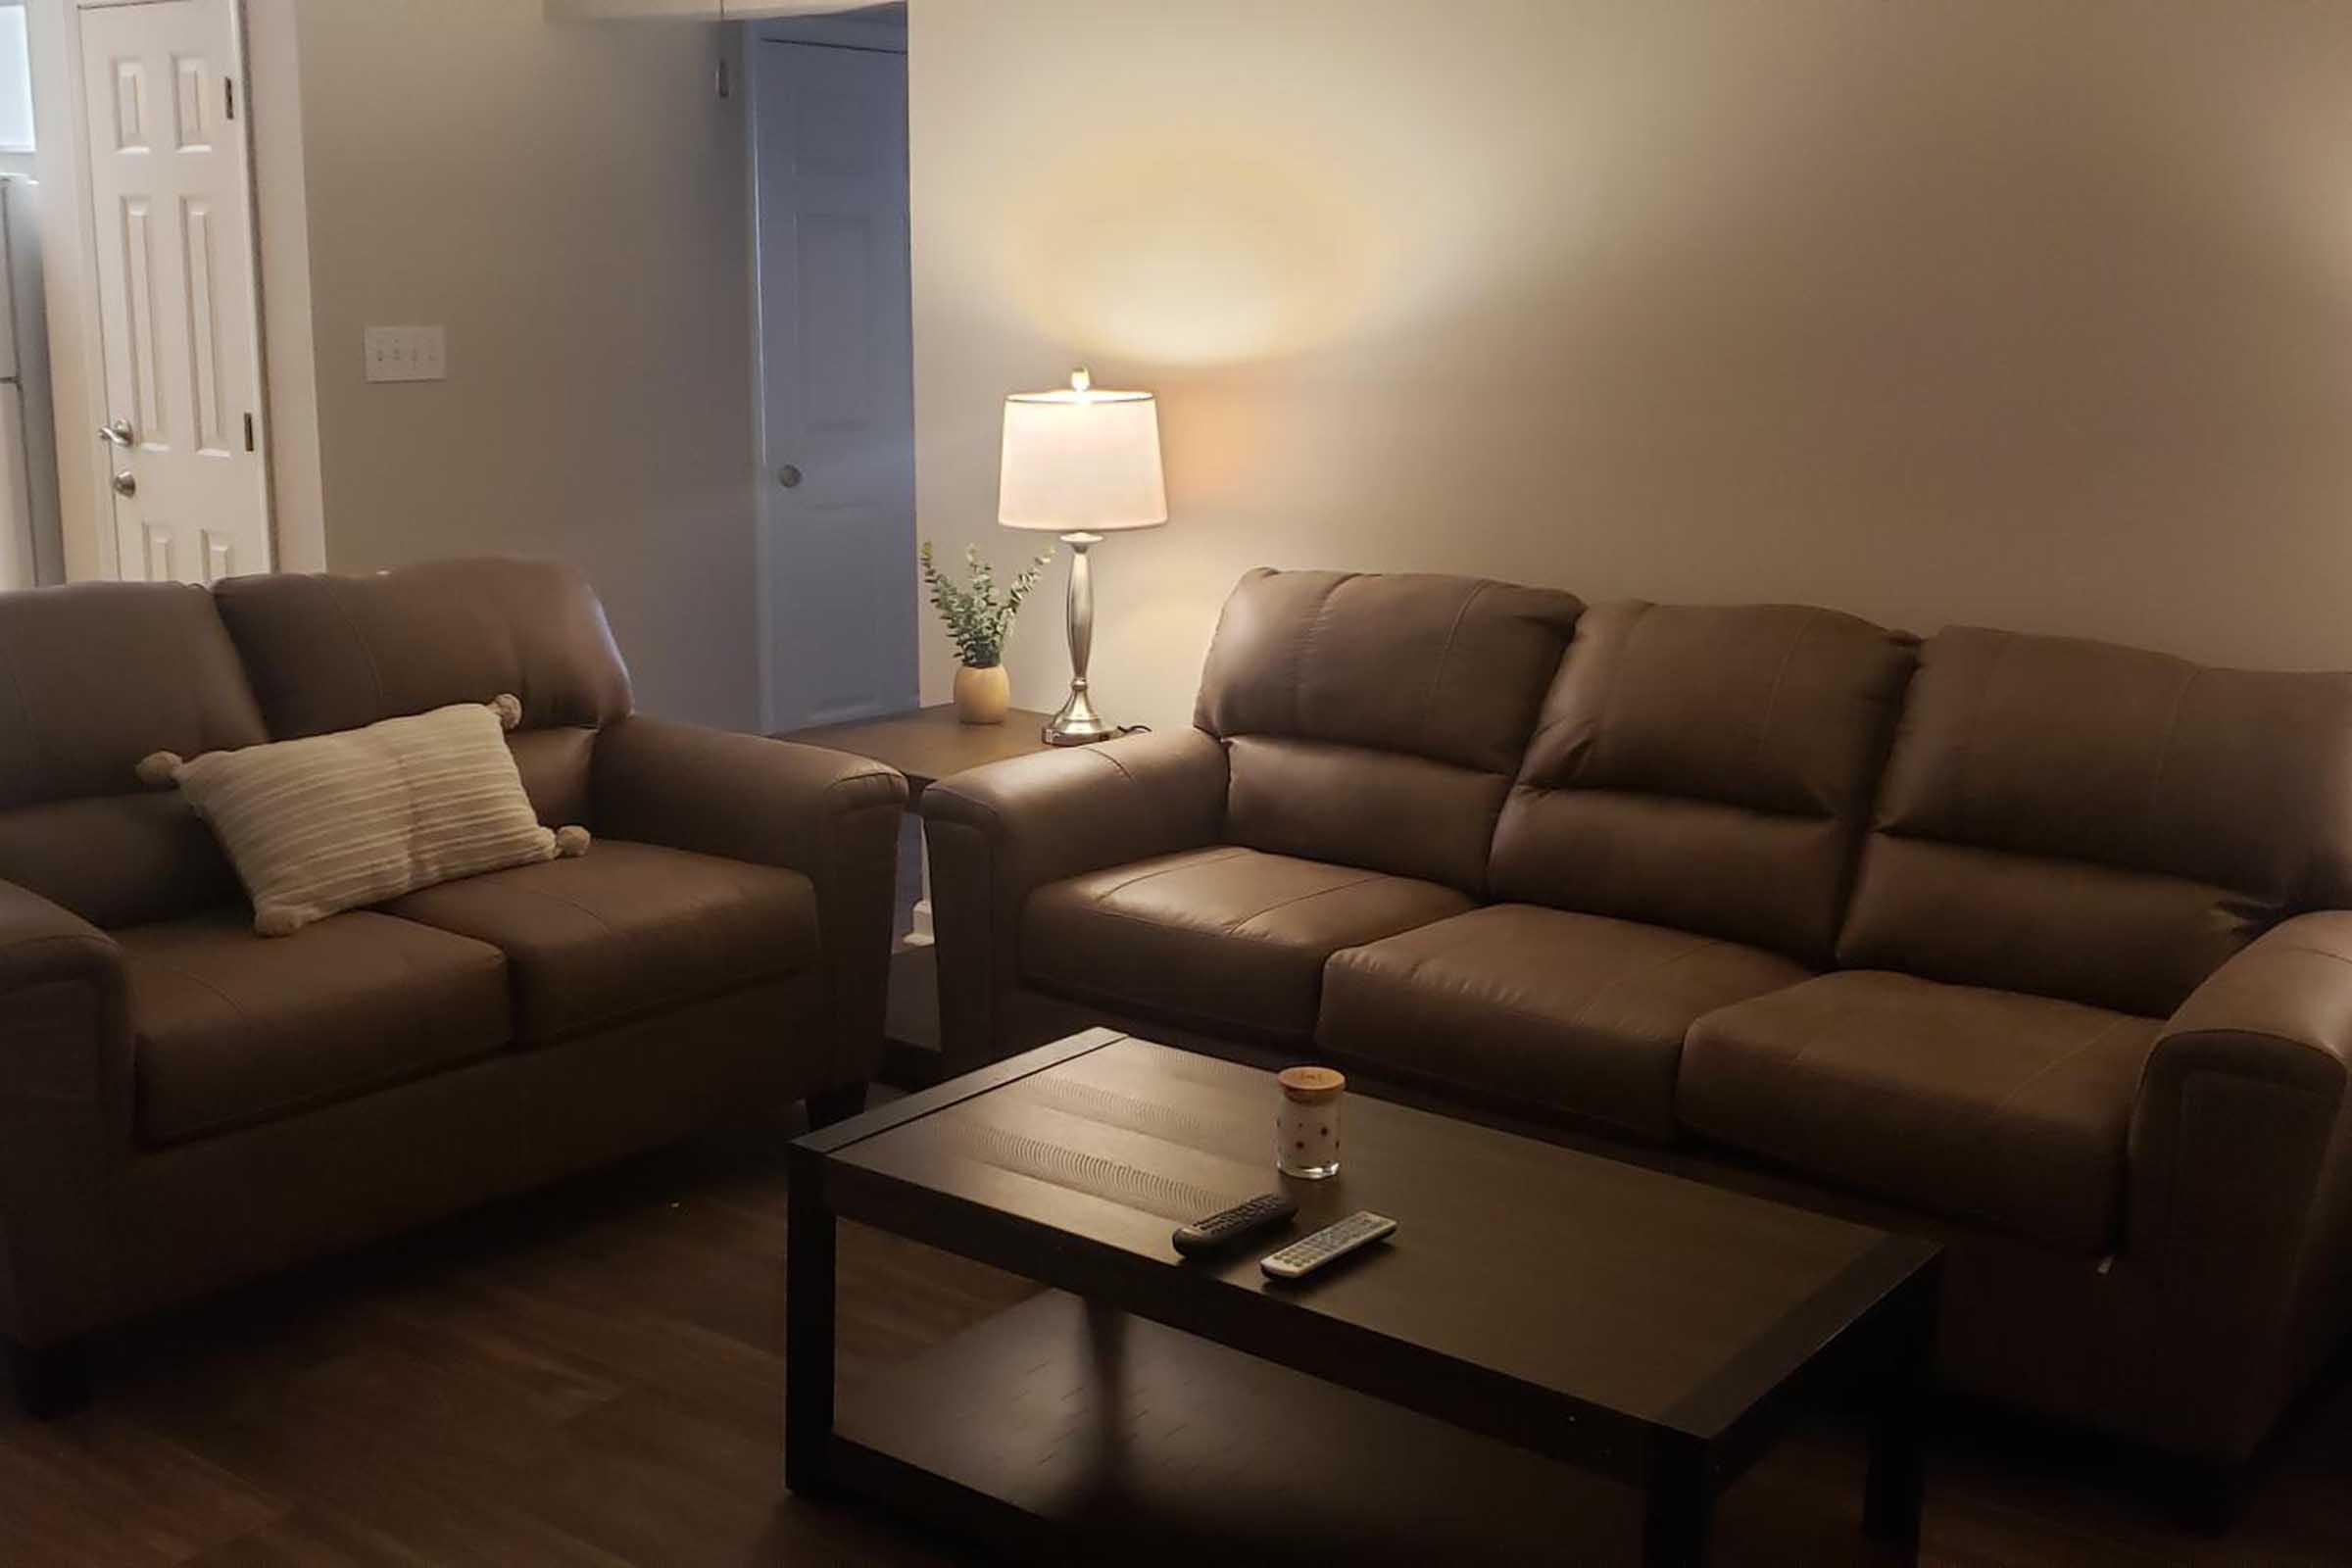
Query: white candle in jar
[[1306, 1122]]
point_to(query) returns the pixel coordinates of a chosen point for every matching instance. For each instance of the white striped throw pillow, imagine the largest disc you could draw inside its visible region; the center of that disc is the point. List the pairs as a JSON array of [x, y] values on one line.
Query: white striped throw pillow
[[336, 821]]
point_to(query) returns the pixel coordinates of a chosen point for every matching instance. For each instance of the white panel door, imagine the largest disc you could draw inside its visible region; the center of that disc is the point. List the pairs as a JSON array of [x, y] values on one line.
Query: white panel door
[[838, 379], [172, 210]]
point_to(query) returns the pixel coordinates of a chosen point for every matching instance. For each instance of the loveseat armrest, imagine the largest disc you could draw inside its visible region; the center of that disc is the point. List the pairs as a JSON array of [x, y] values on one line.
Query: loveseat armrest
[[830, 816], [998, 833], [2240, 1181], [64, 1115]]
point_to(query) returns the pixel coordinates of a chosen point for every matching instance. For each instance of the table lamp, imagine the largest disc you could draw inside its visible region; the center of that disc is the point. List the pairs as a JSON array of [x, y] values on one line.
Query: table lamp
[[1081, 462]]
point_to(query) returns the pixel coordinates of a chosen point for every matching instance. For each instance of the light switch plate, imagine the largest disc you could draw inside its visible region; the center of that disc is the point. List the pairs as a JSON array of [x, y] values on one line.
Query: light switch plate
[[407, 354]]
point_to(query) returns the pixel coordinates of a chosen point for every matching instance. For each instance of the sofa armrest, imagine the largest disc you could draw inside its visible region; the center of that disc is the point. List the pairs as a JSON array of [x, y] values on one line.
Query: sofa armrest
[[64, 1115], [830, 816], [2240, 1181], [998, 833]]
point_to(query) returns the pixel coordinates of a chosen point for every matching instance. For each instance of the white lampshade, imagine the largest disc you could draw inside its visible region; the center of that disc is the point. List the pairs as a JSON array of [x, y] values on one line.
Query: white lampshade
[[1081, 461]]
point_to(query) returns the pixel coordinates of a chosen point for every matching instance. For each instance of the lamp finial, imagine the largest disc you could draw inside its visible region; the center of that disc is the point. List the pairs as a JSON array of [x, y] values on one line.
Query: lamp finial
[[1080, 379]]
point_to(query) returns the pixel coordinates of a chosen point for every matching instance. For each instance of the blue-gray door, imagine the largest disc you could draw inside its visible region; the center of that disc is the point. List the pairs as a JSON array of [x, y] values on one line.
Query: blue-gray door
[[837, 381]]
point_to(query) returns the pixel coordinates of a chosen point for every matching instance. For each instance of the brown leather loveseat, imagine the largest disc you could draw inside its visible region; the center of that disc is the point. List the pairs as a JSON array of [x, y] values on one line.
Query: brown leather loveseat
[[2039, 944], [183, 1104]]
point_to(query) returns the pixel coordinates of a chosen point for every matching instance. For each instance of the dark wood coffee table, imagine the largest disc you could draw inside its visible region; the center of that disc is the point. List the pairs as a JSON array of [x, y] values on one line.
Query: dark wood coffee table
[[1538, 1309]]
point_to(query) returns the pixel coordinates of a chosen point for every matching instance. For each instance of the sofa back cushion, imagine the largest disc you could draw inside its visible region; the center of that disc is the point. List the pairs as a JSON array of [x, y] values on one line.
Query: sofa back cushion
[[333, 653], [1377, 721], [1706, 768], [93, 677], [2098, 823]]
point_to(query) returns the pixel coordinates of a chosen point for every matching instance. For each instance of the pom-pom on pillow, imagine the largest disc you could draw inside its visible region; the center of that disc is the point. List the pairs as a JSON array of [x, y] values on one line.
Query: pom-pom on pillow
[[336, 821]]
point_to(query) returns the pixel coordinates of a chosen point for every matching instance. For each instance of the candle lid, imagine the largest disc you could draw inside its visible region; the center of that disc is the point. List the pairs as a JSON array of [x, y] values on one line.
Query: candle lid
[[1311, 1083]]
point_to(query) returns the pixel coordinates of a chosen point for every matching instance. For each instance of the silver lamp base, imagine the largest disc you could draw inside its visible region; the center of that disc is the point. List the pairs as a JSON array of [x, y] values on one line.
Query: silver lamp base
[[1078, 724]]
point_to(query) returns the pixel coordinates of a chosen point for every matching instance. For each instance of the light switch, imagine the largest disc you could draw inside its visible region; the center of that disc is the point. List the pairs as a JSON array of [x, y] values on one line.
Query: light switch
[[407, 354]]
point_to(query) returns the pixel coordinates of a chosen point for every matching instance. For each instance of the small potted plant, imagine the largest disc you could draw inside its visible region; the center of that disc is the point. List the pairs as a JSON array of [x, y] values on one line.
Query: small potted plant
[[979, 616]]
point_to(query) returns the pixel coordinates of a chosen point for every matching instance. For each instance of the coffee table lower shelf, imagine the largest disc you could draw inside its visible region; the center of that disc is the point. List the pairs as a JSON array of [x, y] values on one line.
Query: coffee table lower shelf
[[1055, 1429]]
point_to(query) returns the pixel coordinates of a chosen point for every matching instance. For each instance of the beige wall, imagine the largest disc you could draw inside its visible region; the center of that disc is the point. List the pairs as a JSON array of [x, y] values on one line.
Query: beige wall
[[2001, 310], [570, 201]]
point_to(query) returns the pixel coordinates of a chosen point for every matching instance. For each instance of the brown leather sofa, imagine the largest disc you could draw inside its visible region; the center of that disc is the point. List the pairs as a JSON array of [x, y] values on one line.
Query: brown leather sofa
[[2039, 944], [184, 1105]]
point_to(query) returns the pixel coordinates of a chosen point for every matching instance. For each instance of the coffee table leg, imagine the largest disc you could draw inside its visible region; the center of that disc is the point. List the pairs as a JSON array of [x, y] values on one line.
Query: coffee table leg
[[1681, 1507], [807, 1328], [1891, 1503]]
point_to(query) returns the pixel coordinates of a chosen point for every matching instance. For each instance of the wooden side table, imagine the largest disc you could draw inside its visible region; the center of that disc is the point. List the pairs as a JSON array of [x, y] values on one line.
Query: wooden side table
[[926, 744]]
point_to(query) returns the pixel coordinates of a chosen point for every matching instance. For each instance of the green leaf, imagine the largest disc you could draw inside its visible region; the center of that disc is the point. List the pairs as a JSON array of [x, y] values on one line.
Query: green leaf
[[979, 612]]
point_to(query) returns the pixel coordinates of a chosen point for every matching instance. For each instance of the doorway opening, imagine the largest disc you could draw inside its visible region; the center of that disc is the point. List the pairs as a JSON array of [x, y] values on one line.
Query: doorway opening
[[31, 544]]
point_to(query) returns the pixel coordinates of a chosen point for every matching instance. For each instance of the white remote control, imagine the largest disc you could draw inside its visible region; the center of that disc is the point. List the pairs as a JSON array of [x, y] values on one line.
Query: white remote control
[[1333, 1241]]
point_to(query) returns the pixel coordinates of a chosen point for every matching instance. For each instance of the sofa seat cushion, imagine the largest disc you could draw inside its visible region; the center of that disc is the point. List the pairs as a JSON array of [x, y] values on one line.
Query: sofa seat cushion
[[233, 1028], [626, 929], [1225, 936], [1575, 1014], [1988, 1106]]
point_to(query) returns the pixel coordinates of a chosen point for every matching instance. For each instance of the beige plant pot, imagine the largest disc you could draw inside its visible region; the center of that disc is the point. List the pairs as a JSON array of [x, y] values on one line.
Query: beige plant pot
[[982, 695]]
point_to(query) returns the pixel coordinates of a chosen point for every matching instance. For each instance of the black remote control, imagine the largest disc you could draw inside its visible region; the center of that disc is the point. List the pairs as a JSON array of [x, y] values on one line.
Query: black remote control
[[1243, 1219]]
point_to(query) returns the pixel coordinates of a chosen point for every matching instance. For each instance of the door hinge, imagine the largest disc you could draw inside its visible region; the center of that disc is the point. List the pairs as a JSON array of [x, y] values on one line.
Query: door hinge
[[249, 432], [229, 91]]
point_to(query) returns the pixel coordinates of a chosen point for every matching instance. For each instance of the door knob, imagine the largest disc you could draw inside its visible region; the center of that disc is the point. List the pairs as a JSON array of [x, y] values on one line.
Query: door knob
[[117, 434], [789, 476], [126, 484]]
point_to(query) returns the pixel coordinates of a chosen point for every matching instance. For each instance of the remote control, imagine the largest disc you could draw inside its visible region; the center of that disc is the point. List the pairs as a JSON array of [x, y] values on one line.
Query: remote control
[[1230, 1225], [1335, 1241]]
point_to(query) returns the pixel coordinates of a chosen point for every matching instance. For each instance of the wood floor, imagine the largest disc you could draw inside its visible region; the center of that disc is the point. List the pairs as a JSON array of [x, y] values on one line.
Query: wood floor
[[592, 1375]]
